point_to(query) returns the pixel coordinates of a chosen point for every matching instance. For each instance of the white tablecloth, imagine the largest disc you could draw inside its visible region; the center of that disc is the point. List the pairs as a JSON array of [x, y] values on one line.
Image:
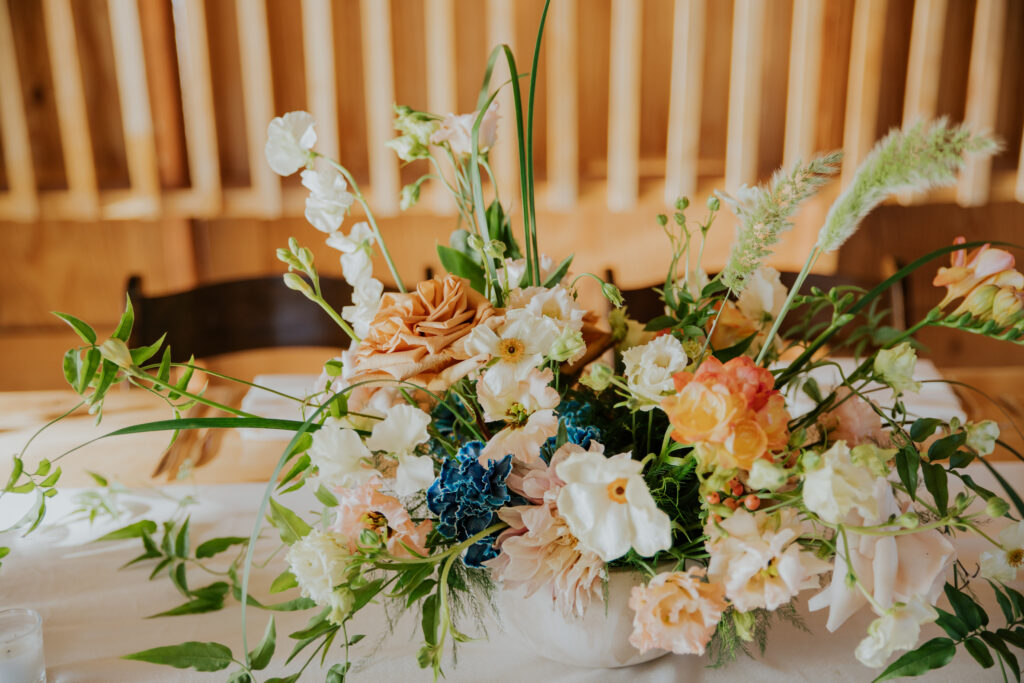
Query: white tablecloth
[[93, 613]]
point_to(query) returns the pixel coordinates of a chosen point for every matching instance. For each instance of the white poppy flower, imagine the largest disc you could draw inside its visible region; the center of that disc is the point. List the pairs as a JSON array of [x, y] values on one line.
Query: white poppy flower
[[649, 368], [524, 440], [365, 304], [609, 508], [319, 561], [899, 628], [519, 345], [762, 299], [555, 303], [838, 485], [513, 401], [1002, 564], [289, 140], [340, 456], [329, 199], [457, 131]]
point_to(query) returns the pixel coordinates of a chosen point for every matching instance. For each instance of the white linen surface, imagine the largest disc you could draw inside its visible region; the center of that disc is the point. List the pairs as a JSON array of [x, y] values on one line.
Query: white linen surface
[[93, 613]]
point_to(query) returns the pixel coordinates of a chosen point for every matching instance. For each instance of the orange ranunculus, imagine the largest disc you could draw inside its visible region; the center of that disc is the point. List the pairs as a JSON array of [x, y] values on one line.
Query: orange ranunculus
[[982, 266], [730, 410]]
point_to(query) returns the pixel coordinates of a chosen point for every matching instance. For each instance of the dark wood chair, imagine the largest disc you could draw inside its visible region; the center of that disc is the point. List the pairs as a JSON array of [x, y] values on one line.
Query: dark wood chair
[[240, 315]]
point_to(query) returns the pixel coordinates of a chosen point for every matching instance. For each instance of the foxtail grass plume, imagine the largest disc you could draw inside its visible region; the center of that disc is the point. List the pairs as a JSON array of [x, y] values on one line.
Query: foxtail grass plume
[[764, 214], [924, 156]]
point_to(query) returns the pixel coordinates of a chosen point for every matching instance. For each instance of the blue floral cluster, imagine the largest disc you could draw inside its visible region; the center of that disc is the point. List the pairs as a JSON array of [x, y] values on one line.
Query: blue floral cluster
[[465, 496], [577, 418]]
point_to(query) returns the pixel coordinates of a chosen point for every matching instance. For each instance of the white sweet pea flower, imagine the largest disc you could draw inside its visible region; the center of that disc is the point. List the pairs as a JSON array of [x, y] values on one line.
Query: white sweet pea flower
[[649, 368], [1002, 564], [609, 508], [329, 199], [320, 561], [516, 270], [356, 250], [365, 304], [289, 141], [340, 457], [896, 367], [838, 485], [398, 434], [513, 401], [899, 628], [763, 297], [981, 436], [457, 131], [518, 345], [555, 303]]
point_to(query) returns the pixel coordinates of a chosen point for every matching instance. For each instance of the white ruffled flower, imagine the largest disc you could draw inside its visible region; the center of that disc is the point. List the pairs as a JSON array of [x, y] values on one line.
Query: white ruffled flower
[[329, 199], [1002, 564], [340, 456], [319, 561], [981, 436], [649, 368], [356, 250], [365, 304], [398, 434], [522, 440], [839, 485], [289, 140], [609, 508], [555, 303], [762, 299], [512, 401], [457, 131], [896, 367], [518, 345], [516, 270], [899, 628], [754, 555]]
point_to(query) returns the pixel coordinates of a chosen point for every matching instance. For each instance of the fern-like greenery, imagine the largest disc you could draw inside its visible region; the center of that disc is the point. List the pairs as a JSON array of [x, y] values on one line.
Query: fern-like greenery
[[765, 211]]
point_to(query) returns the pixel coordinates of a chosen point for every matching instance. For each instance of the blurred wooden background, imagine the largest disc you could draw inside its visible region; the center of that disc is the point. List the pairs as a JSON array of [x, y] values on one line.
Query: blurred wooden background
[[131, 133]]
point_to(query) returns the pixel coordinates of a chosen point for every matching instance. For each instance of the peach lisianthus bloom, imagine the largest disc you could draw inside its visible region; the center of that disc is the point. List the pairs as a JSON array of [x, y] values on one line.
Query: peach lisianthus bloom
[[730, 411], [983, 266], [365, 507], [676, 611]]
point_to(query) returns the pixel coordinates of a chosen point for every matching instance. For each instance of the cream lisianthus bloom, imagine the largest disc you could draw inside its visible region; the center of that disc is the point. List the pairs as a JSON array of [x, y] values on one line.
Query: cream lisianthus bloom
[[329, 199], [340, 456], [608, 506], [649, 368], [518, 345], [319, 561], [555, 303], [899, 628], [763, 298], [982, 436], [838, 485], [398, 435], [457, 131], [1002, 564], [896, 367], [754, 555], [289, 141]]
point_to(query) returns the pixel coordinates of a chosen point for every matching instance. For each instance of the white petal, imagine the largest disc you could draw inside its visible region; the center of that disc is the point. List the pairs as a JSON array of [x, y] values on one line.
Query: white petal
[[404, 428], [414, 474]]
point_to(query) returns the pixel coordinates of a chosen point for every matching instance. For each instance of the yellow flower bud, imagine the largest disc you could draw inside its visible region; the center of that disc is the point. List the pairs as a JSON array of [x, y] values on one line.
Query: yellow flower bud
[[1007, 306], [978, 302]]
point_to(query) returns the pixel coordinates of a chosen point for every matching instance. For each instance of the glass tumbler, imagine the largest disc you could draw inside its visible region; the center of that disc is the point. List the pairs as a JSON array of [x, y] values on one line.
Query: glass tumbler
[[21, 647]]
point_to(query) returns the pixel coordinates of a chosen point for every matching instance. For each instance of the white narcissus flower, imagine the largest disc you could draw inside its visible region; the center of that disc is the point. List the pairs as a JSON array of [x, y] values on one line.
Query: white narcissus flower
[[289, 140], [1002, 564], [365, 303], [757, 559], [513, 401], [329, 199], [340, 456], [518, 345], [555, 303], [398, 434], [649, 368], [899, 628], [608, 506], [896, 367], [763, 298], [457, 131], [319, 561], [839, 485], [981, 436]]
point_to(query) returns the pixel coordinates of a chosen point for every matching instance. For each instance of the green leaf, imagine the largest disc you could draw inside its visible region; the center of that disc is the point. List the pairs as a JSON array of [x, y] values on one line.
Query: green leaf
[[51, 480], [923, 428], [1015, 638], [71, 363], [326, 497], [108, 373], [87, 370], [968, 610], [1004, 602], [260, 657], [934, 654], [42, 468], [197, 606], [420, 590], [284, 679], [124, 327], [736, 350], [240, 677], [336, 674], [218, 545], [936, 481], [946, 446], [283, 582], [190, 655], [907, 462], [185, 378], [135, 530], [976, 648], [144, 353], [87, 334], [431, 611], [181, 544], [16, 470], [662, 322], [1004, 652], [364, 594], [953, 626], [164, 372], [289, 524], [457, 263], [179, 578], [559, 272]]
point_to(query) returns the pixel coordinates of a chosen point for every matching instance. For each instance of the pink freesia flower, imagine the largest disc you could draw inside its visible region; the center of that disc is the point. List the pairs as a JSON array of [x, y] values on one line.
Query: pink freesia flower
[[676, 611], [364, 507], [982, 266]]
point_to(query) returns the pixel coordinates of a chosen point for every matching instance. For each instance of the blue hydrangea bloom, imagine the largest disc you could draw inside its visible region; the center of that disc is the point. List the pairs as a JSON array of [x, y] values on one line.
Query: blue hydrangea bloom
[[577, 418], [464, 497]]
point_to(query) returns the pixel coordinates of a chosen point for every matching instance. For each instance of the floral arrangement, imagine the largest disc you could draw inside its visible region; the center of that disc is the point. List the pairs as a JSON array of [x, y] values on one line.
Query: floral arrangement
[[483, 427]]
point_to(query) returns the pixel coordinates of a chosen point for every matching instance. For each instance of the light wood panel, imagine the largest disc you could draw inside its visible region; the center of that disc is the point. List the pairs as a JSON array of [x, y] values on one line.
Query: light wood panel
[[863, 84], [563, 107], [744, 94], [439, 23], [683, 144], [379, 83], [20, 201], [805, 55], [624, 105]]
